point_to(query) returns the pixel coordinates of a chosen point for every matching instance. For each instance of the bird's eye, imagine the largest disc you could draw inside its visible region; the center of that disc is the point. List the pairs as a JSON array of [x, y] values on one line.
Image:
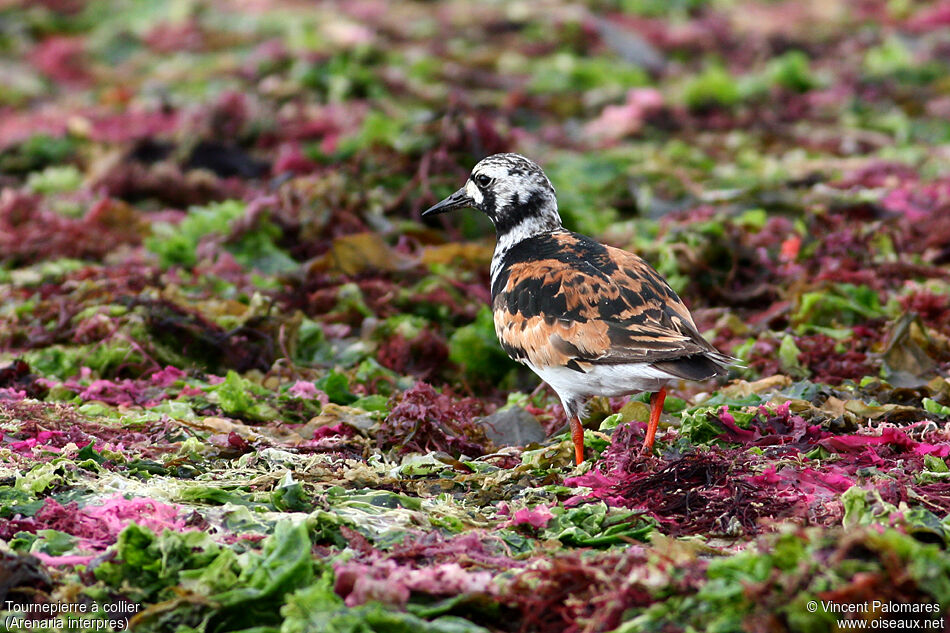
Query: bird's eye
[[482, 180]]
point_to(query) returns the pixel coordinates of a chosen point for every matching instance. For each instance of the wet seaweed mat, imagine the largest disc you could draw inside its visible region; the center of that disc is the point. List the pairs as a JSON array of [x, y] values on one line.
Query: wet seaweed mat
[[244, 387]]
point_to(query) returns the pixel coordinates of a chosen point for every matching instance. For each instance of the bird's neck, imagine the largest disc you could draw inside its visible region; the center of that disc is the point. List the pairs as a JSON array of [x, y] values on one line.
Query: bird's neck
[[521, 223]]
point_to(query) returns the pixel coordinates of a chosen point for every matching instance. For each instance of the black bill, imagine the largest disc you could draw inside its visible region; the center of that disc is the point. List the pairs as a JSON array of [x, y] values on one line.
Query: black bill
[[457, 200]]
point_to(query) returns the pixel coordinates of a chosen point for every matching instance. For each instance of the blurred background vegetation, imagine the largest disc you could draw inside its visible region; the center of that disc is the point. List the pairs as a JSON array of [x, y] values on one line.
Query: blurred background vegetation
[[217, 298]]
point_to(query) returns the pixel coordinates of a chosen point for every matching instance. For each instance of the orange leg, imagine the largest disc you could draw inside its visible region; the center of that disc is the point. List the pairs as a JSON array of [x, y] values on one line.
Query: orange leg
[[656, 408], [577, 434]]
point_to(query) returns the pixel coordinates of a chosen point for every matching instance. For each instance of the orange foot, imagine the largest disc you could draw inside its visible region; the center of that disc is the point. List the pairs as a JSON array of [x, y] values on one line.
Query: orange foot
[[656, 408], [577, 434]]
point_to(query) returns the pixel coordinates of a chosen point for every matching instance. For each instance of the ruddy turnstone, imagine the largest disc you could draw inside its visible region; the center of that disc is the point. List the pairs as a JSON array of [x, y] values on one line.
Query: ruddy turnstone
[[589, 319]]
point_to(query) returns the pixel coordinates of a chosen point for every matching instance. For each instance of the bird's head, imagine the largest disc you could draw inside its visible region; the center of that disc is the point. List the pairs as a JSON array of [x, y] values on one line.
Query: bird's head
[[511, 190]]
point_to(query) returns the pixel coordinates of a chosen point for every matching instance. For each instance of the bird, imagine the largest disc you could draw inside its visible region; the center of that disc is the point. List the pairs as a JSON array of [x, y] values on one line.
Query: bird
[[589, 319]]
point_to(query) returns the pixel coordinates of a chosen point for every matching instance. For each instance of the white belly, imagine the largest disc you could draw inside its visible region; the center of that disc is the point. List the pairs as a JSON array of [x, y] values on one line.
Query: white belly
[[603, 380]]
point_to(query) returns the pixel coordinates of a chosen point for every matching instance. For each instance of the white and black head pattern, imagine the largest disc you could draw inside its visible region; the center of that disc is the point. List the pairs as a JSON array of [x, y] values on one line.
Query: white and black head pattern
[[512, 191]]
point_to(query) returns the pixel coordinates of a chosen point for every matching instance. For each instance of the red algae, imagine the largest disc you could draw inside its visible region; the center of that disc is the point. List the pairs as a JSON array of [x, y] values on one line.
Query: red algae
[[425, 420]]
